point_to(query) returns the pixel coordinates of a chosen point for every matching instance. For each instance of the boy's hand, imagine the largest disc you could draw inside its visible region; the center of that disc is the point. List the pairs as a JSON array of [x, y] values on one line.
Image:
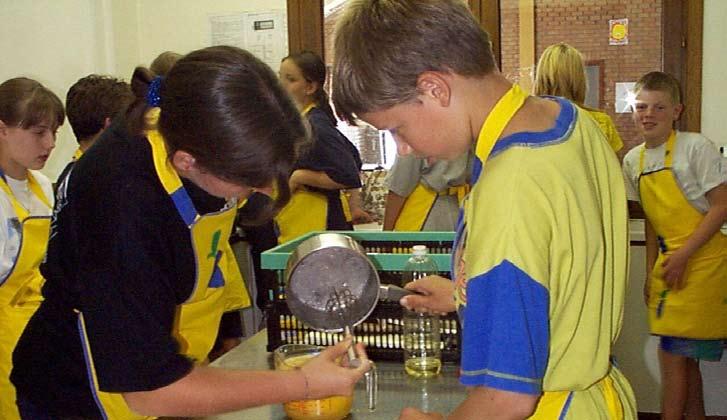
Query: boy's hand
[[436, 295], [410, 413], [674, 266]]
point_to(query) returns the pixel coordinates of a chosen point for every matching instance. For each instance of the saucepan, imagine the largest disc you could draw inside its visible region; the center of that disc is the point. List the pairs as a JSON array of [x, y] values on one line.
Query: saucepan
[[332, 286]]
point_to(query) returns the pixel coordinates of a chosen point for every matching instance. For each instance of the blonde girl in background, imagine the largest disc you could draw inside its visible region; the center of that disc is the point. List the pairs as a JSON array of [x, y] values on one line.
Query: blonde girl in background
[[561, 72], [30, 115]]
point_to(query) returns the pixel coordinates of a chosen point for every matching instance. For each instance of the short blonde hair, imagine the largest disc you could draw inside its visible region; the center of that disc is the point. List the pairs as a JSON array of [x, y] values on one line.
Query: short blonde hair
[[164, 62], [382, 46], [561, 72], [660, 81]]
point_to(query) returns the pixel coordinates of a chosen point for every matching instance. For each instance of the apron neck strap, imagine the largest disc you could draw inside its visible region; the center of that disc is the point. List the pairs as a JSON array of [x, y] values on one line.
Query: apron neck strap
[[668, 149], [497, 120]]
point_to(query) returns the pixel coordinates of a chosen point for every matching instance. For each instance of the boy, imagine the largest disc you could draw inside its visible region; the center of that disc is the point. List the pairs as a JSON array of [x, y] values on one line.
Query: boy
[[425, 196], [541, 253], [91, 103], [680, 180]]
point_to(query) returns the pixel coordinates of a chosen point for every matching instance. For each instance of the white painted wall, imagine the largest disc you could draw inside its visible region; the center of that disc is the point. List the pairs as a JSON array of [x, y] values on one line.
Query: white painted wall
[[54, 42], [714, 109], [714, 84], [59, 41]]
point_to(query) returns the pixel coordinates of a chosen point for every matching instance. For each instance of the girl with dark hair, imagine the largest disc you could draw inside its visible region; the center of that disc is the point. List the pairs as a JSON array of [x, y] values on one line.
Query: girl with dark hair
[[329, 167], [132, 307], [30, 114]]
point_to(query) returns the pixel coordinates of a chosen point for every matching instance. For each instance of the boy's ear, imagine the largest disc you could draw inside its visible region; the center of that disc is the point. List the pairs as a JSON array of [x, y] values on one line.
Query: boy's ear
[[678, 111], [183, 161], [436, 86]]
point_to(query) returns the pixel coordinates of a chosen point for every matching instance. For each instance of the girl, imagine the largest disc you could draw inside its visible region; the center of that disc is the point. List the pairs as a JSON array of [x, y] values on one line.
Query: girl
[[30, 114], [331, 165], [132, 308]]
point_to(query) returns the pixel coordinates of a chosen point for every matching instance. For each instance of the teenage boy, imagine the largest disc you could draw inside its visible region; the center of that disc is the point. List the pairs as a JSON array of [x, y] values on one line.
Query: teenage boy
[[680, 180], [541, 254]]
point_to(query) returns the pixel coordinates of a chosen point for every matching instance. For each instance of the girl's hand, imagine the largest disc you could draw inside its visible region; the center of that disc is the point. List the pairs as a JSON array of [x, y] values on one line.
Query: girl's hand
[[326, 375], [674, 266], [436, 295], [410, 413]]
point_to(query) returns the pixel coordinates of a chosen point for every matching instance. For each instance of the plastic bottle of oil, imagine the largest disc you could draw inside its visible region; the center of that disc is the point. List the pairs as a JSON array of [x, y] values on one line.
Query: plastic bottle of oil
[[421, 336]]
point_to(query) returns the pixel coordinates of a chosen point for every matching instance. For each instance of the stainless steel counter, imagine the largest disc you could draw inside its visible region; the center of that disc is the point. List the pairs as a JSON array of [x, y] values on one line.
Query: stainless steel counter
[[396, 389]]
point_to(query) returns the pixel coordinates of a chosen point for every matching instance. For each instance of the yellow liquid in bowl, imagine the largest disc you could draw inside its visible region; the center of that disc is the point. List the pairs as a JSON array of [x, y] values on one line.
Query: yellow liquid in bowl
[[331, 408]]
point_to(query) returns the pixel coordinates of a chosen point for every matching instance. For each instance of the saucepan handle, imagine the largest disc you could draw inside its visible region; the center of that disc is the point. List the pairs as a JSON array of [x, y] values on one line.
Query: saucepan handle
[[393, 293]]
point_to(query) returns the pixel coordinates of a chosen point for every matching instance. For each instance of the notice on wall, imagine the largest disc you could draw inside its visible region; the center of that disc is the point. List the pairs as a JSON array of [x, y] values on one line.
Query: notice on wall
[[264, 34], [618, 32]]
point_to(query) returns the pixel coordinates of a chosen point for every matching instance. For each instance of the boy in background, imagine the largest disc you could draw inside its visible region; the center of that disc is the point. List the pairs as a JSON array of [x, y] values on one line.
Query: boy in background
[[425, 196], [91, 104], [680, 180], [541, 255]]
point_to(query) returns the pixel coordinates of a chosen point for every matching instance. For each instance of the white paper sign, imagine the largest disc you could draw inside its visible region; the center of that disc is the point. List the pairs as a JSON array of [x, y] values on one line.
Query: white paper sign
[[264, 34]]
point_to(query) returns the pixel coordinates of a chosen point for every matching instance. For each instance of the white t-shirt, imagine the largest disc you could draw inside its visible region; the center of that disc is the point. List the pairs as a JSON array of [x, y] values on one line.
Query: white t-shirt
[[9, 223], [697, 165]]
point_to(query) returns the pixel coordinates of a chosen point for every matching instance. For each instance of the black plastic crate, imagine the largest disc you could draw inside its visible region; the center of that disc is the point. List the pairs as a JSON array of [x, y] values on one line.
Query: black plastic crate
[[381, 331]]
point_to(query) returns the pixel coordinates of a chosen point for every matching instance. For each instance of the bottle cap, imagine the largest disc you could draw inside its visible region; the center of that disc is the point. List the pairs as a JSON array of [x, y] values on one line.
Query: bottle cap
[[419, 250]]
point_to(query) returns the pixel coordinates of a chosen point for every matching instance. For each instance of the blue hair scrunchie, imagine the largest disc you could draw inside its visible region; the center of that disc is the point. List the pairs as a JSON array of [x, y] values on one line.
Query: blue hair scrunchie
[[152, 95]]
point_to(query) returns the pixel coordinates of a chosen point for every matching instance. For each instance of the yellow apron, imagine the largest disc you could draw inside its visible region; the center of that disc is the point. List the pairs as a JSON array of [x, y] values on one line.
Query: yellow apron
[[20, 289], [307, 211], [198, 319], [699, 309], [77, 155], [419, 203], [552, 404]]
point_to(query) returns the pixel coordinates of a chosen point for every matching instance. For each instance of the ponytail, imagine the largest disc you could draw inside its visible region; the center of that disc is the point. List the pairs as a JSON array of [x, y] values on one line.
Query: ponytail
[[140, 82]]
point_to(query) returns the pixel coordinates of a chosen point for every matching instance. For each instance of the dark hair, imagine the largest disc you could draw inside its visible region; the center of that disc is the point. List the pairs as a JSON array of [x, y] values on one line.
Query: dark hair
[[314, 71], [227, 109], [26, 103], [382, 46], [94, 98]]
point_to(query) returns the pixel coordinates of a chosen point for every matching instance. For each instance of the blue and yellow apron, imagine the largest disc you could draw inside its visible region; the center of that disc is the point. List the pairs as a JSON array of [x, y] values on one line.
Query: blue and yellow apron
[[218, 283], [419, 203], [20, 293], [696, 310], [552, 404]]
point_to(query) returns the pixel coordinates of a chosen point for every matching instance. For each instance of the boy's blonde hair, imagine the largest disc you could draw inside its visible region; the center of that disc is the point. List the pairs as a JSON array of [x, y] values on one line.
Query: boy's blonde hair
[[660, 81], [164, 62], [560, 72], [382, 46]]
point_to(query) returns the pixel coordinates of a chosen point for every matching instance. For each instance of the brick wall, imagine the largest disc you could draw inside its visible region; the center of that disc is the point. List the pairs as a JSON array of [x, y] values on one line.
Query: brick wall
[[584, 25]]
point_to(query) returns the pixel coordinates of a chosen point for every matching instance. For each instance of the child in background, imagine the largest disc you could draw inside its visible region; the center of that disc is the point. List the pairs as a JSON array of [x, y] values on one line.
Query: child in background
[[332, 164], [91, 104], [541, 256], [680, 180], [30, 115], [425, 196], [561, 72]]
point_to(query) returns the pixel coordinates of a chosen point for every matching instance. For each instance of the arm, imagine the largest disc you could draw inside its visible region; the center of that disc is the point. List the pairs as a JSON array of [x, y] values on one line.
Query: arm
[[358, 214], [208, 390], [318, 179], [652, 251], [392, 208], [484, 403], [675, 263]]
